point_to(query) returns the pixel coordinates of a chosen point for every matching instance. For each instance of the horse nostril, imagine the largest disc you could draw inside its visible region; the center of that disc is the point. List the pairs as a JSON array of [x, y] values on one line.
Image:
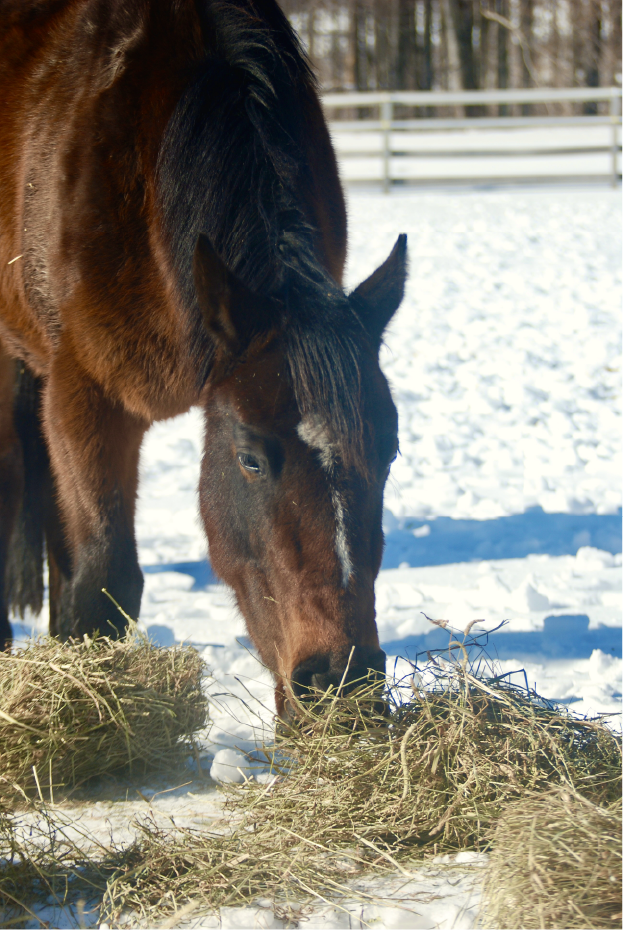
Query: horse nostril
[[310, 674], [321, 682], [321, 672], [376, 662]]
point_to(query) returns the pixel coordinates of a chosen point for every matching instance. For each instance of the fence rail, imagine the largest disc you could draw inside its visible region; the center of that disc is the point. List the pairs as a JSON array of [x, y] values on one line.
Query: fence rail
[[396, 138]]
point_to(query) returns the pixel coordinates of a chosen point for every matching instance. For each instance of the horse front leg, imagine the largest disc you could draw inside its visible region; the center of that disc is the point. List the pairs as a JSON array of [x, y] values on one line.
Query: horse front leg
[[11, 483], [59, 567], [94, 447]]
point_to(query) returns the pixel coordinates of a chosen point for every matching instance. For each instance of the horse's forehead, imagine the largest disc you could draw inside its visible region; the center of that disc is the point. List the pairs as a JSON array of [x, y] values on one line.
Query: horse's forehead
[[314, 431], [260, 392]]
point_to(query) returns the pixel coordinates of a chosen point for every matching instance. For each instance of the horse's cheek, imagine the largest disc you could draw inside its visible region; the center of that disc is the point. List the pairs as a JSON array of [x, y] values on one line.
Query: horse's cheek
[[225, 517], [377, 540]]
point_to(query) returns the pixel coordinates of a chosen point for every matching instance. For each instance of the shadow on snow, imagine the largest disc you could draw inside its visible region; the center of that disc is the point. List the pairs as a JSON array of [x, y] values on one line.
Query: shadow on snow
[[444, 541], [564, 636]]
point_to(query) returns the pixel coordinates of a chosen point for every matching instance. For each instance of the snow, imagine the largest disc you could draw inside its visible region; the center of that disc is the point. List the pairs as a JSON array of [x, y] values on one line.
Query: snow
[[503, 505]]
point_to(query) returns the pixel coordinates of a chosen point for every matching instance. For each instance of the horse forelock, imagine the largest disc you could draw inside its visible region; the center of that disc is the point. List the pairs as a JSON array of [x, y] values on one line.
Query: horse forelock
[[325, 363]]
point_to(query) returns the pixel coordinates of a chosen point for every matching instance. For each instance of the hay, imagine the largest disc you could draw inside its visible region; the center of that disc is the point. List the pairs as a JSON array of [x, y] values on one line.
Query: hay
[[73, 711], [556, 862], [356, 792], [438, 771], [47, 858]]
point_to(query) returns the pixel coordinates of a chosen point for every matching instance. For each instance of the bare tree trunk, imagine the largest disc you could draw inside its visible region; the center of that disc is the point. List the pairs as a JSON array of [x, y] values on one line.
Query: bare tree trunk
[[594, 50], [452, 51], [427, 83], [610, 51], [360, 45], [526, 24], [486, 59], [594, 47], [502, 10], [616, 34], [462, 13], [311, 31], [338, 58], [406, 77], [577, 48], [382, 41]]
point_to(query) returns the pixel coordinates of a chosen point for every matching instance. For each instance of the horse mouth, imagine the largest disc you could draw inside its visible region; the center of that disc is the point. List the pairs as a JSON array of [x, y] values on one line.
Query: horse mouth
[[321, 678]]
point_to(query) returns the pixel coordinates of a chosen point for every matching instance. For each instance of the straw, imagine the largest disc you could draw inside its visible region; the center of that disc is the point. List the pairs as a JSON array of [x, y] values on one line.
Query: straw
[[556, 862], [72, 711]]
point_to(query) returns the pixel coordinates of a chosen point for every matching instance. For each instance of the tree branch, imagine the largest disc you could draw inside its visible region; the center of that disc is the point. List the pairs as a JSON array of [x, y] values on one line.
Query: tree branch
[[521, 39]]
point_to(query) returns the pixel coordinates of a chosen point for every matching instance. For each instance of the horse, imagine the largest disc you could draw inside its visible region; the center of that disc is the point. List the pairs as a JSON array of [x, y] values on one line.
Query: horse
[[173, 234]]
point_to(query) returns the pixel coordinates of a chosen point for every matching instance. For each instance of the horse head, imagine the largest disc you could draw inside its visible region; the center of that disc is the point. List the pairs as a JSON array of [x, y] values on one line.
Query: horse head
[[301, 431]]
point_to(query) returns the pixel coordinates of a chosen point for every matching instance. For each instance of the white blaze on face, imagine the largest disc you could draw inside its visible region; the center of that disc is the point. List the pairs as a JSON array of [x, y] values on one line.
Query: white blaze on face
[[314, 433], [341, 542]]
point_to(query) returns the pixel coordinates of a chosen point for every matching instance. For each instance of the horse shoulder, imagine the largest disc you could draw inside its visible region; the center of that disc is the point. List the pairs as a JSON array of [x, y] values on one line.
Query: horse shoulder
[[78, 169]]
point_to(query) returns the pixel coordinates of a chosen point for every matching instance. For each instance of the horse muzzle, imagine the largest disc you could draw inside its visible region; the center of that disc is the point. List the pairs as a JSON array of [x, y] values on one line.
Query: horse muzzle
[[322, 672]]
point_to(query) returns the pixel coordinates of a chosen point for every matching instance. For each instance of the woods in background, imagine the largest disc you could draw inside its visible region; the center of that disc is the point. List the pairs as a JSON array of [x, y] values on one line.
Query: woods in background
[[460, 44]]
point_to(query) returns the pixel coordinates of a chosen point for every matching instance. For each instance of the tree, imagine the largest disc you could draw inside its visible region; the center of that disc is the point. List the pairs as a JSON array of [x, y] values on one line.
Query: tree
[[427, 44]]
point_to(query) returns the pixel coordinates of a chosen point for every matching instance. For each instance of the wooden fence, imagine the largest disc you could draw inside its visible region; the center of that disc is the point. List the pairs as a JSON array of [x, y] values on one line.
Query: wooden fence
[[383, 148]]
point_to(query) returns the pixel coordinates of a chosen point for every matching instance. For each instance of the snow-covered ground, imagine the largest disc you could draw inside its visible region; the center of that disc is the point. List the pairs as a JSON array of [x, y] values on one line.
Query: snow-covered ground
[[505, 365]]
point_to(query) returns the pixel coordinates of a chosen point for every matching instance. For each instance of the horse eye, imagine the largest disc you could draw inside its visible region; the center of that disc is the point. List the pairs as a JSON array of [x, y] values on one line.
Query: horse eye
[[390, 463], [250, 463]]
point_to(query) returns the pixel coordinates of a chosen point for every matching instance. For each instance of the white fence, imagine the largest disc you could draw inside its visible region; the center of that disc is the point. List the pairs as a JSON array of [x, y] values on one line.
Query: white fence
[[389, 150]]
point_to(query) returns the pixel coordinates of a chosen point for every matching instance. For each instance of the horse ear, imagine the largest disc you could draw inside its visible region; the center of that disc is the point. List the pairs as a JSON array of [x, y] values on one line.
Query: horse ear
[[232, 314], [379, 296]]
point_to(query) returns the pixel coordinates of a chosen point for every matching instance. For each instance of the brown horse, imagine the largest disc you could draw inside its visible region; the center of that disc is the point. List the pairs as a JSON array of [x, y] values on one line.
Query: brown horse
[[172, 233]]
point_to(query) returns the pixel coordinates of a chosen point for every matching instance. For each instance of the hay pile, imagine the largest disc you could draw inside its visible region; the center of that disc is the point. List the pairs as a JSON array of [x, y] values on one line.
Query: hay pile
[[438, 772], [72, 711], [556, 862], [358, 791]]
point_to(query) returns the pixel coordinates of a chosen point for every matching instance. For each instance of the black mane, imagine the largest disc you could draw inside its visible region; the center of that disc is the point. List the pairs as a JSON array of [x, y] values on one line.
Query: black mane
[[233, 165]]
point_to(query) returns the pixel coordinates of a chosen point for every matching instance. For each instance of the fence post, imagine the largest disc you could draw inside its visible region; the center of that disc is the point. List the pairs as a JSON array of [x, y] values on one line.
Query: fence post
[[614, 120], [386, 123]]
